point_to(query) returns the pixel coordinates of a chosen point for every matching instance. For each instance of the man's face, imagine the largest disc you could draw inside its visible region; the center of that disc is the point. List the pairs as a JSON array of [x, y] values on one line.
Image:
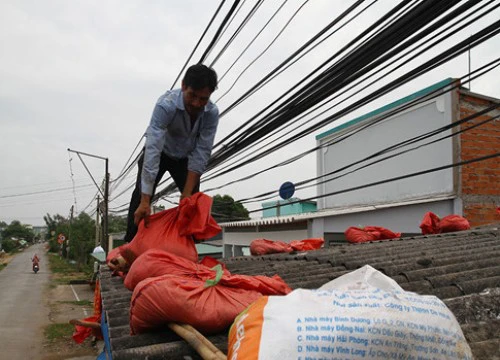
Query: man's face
[[195, 100]]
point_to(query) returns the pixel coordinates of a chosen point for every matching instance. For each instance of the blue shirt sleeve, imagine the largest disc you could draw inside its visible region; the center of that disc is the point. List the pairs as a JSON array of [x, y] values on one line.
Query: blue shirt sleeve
[[198, 158], [155, 140]]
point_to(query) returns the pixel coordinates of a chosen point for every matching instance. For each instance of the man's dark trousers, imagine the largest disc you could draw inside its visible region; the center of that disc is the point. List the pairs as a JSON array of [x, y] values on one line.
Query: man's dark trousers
[[178, 171]]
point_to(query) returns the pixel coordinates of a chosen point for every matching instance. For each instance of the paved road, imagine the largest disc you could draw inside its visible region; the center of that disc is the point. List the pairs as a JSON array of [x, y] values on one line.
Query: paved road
[[23, 311]]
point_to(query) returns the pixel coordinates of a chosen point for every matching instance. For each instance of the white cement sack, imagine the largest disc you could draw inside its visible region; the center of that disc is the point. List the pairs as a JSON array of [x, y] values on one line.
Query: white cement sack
[[361, 315]]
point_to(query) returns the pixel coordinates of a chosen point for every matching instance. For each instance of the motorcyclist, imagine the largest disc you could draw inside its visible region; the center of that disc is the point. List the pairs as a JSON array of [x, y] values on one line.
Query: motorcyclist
[[35, 260]]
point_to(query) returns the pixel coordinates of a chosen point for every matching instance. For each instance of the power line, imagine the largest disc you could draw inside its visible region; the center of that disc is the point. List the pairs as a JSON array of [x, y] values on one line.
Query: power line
[[219, 30], [43, 191], [417, 173], [198, 43]]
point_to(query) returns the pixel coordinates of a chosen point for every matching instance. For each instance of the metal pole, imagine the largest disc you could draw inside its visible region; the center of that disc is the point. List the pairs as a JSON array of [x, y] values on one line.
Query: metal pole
[[106, 199], [97, 232]]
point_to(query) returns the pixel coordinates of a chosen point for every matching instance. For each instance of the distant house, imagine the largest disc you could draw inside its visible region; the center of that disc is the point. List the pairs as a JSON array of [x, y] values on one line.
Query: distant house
[[287, 207], [472, 191]]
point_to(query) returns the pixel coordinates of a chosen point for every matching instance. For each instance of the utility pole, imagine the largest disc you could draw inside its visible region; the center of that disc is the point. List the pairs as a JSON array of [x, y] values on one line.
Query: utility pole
[[97, 227], [106, 201], [105, 195], [69, 235]]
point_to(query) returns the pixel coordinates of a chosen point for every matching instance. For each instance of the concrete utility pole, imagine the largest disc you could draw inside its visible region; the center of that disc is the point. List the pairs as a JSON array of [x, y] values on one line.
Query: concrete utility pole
[[97, 227], [69, 235]]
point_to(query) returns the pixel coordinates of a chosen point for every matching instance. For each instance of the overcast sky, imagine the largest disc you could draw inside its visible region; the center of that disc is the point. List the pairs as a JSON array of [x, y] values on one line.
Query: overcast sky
[[85, 75]]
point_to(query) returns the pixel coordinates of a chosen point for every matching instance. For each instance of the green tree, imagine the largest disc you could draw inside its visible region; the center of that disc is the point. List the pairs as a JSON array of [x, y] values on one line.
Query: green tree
[[56, 224], [81, 237], [224, 209], [9, 245], [116, 223], [19, 231]]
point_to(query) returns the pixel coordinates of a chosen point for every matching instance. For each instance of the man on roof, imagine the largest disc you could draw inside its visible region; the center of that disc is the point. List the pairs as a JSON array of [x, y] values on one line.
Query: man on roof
[[179, 140]]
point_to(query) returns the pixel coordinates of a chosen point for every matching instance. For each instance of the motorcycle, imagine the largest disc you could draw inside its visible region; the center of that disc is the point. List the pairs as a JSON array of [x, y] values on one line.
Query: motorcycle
[[36, 267]]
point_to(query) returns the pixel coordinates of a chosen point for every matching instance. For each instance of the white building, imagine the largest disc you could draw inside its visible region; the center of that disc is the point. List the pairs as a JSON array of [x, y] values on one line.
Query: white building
[[397, 205]]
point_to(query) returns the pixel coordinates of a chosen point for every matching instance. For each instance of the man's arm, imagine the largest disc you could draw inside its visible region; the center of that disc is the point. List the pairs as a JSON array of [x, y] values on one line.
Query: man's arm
[[144, 210], [155, 140], [191, 181], [198, 159]]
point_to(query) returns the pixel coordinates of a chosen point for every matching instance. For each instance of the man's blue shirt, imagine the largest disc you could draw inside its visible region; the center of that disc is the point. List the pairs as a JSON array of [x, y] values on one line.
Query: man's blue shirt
[[170, 131]]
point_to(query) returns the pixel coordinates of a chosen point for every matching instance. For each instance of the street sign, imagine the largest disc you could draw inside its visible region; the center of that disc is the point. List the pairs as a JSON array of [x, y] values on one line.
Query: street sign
[[287, 189], [61, 238]]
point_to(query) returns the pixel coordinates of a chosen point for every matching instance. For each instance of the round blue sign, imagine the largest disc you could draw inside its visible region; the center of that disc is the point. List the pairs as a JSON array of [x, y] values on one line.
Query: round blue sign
[[287, 189]]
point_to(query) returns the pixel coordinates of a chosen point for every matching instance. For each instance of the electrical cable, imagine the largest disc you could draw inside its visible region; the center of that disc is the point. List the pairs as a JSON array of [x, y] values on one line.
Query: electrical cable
[[300, 185], [435, 93], [406, 176], [237, 31], [452, 52], [264, 51], [198, 43], [227, 26], [252, 41], [217, 34]]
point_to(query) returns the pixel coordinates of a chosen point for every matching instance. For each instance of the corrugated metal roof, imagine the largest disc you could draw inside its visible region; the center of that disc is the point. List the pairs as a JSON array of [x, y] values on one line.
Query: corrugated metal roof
[[461, 268], [332, 212]]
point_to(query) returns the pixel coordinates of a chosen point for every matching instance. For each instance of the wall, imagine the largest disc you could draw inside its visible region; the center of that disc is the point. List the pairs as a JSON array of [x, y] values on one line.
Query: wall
[[244, 239], [480, 181], [417, 120], [404, 219]]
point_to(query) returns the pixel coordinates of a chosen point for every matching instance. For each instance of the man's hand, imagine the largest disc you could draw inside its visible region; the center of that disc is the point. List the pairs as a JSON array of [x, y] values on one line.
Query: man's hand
[[143, 211], [191, 182]]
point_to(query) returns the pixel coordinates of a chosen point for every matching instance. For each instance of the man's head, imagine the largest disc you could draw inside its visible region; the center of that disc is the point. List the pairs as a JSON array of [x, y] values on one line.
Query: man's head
[[197, 85]]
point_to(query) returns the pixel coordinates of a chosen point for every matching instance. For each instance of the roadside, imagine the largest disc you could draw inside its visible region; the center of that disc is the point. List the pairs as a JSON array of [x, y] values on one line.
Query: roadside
[[5, 258], [67, 298]]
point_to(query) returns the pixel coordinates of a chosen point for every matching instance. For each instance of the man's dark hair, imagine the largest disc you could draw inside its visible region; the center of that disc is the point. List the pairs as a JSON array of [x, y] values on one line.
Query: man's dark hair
[[199, 77]]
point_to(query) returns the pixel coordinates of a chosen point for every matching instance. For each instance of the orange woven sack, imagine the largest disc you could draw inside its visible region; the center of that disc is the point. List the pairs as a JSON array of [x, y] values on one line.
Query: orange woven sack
[[263, 247], [369, 233], [156, 262], [453, 223], [307, 244], [204, 304], [175, 229], [430, 223]]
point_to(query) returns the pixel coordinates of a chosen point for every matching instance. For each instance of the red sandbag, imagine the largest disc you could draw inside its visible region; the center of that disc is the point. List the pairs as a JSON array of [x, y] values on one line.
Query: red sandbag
[[307, 244], [432, 224], [156, 262], [173, 230], [263, 247], [83, 332], [369, 233], [169, 298], [453, 223]]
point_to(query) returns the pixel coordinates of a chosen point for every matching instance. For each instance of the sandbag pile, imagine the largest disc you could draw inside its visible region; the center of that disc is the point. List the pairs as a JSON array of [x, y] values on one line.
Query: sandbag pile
[[169, 288], [264, 246], [432, 224], [369, 233]]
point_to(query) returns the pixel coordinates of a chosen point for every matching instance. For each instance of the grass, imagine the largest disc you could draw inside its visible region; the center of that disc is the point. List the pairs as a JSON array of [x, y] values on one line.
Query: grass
[[54, 332], [2, 266], [63, 272]]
